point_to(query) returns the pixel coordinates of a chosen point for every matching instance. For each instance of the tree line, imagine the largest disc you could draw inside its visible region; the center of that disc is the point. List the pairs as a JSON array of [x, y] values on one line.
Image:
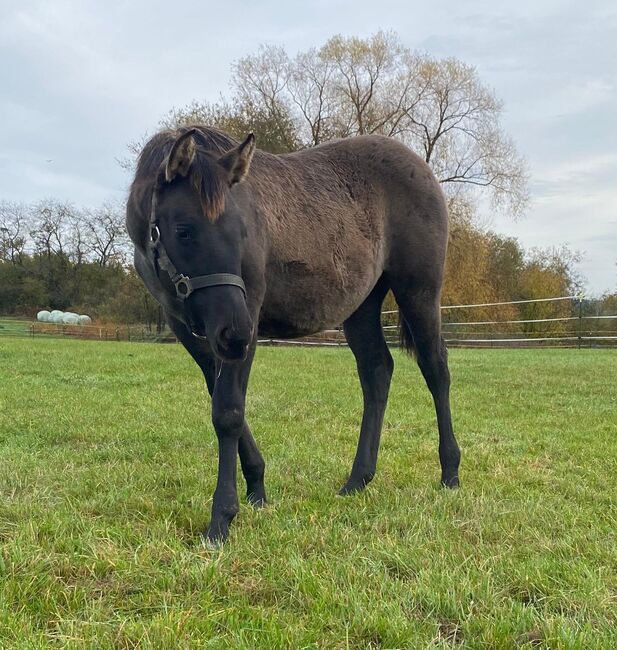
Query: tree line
[[55, 255]]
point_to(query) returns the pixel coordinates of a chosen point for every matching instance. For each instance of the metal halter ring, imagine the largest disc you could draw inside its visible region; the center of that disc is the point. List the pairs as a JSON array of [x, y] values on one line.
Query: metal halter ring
[[183, 287], [155, 234]]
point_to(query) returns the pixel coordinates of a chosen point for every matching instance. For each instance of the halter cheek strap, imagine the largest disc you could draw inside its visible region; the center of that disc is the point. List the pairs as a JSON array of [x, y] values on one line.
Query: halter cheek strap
[[185, 285]]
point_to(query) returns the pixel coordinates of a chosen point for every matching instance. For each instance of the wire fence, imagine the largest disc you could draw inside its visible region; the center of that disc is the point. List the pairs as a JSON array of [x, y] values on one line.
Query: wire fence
[[12, 327], [564, 321]]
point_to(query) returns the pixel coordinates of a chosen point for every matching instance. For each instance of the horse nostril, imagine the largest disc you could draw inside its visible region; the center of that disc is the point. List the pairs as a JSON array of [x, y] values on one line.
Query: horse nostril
[[232, 341], [227, 335]]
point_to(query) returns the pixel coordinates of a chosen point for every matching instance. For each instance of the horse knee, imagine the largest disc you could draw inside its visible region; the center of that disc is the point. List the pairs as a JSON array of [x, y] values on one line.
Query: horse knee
[[228, 421]]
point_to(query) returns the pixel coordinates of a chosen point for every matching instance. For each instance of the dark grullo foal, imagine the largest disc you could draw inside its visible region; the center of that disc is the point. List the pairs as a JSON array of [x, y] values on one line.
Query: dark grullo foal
[[234, 243]]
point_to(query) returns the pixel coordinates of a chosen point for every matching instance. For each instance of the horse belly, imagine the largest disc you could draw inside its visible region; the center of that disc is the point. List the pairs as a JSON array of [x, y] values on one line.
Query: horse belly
[[303, 299]]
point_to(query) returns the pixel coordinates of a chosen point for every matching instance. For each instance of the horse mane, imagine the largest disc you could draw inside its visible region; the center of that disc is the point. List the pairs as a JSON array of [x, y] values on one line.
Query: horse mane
[[205, 175]]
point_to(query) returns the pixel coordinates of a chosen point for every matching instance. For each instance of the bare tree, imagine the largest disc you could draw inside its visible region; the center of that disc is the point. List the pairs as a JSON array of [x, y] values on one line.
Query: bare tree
[[54, 229], [361, 84], [77, 247], [50, 227], [309, 85], [354, 86], [260, 85], [350, 86], [456, 125], [105, 234], [14, 219], [261, 78]]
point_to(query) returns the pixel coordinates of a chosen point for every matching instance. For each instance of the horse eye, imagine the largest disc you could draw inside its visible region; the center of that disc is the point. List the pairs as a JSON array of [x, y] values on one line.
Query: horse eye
[[183, 233]]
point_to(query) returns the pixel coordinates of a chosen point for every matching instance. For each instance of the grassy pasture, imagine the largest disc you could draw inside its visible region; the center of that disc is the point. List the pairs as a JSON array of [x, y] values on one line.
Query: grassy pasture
[[107, 465]]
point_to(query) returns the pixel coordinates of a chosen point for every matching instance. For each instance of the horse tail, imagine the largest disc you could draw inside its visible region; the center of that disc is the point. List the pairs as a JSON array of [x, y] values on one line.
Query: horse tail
[[405, 336]]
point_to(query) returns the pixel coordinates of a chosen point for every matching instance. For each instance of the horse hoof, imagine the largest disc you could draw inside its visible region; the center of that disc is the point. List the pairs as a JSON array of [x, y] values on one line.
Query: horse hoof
[[256, 500], [351, 487], [218, 531], [452, 483], [211, 544]]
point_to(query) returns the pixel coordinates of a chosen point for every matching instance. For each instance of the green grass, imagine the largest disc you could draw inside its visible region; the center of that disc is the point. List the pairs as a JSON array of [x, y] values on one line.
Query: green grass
[[14, 327], [107, 466]]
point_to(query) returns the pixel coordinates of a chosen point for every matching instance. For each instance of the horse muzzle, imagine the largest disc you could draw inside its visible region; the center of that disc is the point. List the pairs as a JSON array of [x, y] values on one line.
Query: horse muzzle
[[227, 343]]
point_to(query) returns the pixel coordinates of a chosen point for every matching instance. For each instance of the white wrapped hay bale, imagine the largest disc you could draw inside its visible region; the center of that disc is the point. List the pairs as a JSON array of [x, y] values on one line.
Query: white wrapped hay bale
[[56, 316], [85, 320], [70, 319], [43, 316]]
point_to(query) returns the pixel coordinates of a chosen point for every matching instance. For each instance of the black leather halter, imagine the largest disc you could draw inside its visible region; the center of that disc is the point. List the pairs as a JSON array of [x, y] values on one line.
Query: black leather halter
[[184, 284]]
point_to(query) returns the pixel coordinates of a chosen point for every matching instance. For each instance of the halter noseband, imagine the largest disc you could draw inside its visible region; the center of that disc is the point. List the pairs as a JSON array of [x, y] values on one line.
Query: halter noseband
[[184, 284]]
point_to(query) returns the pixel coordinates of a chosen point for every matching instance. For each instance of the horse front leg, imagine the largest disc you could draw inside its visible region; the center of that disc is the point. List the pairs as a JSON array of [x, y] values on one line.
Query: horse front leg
[[228, 404], [251, 460]]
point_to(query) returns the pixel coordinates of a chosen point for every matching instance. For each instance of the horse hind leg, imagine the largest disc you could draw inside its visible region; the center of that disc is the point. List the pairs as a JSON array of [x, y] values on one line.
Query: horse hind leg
[[253, 468], [375, 365], [422, 316]]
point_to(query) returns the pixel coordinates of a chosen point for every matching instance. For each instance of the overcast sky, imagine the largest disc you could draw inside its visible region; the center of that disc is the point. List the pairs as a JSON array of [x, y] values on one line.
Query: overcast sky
[[79, 79]]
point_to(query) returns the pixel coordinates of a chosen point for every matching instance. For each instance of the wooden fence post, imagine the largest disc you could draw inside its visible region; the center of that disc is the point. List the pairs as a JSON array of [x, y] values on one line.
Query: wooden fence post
[[580, 321]]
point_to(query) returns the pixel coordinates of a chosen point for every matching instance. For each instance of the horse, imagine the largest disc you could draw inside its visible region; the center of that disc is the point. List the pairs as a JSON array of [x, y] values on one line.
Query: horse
[[236, 243]]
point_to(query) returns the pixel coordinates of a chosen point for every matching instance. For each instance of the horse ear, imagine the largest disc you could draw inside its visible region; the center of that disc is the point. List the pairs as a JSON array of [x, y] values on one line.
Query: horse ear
[[181, 156], [238, 160]]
